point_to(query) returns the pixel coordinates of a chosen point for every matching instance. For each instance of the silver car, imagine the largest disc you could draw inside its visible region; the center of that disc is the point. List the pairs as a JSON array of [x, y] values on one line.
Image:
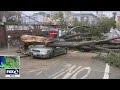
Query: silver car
[[47, 52]]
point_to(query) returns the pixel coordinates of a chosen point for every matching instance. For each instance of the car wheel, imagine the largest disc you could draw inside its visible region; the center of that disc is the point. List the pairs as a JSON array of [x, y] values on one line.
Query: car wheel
[[51, 55], [66, 51]]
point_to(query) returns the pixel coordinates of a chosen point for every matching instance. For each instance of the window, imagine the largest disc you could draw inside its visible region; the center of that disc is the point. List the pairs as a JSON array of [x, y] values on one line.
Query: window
[[118, 18], [48, 15]]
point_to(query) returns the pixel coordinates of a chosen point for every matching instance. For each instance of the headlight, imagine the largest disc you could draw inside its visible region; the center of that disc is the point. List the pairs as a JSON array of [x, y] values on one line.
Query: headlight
[[45, 51]]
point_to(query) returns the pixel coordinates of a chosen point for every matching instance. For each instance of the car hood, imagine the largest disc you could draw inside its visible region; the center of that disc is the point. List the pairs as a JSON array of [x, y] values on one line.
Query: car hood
[[41, 49]]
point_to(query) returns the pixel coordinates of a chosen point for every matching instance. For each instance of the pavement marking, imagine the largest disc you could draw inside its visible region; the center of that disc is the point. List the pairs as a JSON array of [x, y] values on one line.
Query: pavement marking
[[36, 70], [87, 68], [71, 71], [39, 73], [67, 66], [107, 70], [62, 72], [43, 69]]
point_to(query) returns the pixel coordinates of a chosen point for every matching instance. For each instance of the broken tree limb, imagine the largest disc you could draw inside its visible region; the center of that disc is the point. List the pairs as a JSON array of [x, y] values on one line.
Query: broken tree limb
[[101, 48], [72, 29], [32, 38], [86, 48], [75, 39], [74, 35], [79, 38], [36, 40], [78, 44], [105, 49], [115, 50], [110, 46]]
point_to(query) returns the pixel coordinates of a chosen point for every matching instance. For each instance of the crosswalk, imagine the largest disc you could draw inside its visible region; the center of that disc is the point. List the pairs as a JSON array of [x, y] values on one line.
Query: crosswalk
[[65, 72]]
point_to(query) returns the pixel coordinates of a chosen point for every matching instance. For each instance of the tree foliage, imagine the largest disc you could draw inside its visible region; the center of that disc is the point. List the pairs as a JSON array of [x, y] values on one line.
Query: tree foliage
[[103, 25], [59, 18], [11, 16]]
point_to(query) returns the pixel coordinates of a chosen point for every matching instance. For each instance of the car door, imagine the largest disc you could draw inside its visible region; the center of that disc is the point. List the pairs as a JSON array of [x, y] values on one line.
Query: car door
[[62, 50], [57, 50]]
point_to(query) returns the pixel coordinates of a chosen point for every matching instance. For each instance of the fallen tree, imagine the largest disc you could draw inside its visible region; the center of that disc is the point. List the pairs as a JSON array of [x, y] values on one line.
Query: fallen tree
[[31, 38], [34, 40], [74, 35], [77, 40]]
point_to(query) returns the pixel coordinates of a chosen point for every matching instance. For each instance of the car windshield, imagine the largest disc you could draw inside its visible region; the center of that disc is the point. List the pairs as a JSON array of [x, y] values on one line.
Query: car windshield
[[39, 46]]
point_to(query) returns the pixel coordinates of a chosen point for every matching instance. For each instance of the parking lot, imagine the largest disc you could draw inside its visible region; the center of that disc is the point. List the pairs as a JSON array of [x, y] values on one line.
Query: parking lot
[[74, 65]]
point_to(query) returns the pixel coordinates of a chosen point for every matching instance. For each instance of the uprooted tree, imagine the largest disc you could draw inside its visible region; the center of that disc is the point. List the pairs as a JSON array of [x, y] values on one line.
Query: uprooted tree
[[84, 37], [79, 36]]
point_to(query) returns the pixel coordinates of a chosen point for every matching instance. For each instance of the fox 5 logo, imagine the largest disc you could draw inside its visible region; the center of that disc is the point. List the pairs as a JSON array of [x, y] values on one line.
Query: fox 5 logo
[[12, 71]]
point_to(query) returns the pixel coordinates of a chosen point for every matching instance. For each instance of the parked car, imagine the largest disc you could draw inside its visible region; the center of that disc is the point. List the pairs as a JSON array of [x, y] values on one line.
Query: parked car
[[47, 52]]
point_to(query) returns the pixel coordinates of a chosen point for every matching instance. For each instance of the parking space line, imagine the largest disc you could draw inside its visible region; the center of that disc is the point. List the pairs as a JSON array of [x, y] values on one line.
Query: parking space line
[[106, 73], [39, 73], [36, 70]]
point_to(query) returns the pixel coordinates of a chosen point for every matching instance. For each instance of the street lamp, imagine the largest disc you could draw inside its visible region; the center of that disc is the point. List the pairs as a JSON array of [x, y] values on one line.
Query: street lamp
[[9, 42]]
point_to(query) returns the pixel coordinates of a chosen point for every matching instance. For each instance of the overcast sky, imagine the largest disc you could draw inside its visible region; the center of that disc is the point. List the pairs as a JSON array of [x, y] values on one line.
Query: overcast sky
[[108, 13]]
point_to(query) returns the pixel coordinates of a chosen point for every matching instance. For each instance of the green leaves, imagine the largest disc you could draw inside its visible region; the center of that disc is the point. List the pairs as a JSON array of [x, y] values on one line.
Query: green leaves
[[111, 58], [59, 18], [103, 25], [11, 16]]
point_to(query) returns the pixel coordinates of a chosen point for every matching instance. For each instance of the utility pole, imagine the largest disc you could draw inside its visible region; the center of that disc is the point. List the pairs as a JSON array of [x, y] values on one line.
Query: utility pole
[[4, 21], [114, 16]]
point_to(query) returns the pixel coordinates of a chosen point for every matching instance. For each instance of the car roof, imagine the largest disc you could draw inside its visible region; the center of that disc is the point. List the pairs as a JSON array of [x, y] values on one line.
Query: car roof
[[40, 46]]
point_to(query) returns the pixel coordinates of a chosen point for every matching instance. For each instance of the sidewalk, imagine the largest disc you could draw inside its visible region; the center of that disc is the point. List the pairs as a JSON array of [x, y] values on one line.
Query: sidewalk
[[11, 51]]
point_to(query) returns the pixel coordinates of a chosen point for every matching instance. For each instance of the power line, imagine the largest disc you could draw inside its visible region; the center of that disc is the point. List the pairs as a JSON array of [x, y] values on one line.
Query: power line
[[29, 17]]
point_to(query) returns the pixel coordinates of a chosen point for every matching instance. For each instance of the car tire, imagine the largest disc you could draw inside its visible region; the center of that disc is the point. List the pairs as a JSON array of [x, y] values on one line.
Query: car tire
[[51, 55]]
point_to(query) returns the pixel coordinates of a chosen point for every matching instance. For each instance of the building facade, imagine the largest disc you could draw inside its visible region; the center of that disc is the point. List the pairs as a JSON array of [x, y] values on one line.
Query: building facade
[[36, 18], [117, 19], [86, 17]]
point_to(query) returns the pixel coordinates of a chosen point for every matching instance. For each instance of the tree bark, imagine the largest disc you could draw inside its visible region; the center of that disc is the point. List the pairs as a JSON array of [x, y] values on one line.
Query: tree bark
[[78, 34], [78, 44]]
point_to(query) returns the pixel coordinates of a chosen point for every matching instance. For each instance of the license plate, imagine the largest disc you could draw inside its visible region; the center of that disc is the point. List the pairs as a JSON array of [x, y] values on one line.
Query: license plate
[[36, 53]]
